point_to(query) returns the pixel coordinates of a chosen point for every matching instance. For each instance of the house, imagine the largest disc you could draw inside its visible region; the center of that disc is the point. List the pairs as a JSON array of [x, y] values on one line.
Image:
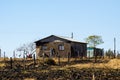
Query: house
[[53, 46], [91, 52]]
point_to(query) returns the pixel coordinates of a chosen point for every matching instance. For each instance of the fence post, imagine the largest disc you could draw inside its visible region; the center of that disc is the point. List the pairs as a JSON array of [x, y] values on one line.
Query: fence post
[[0, 53], [14, 54], [24, 61], [93, 76], [58, 59], [89, 54], [68, 57], [11, 61], [34, 60], [43, 57], [4, 56]]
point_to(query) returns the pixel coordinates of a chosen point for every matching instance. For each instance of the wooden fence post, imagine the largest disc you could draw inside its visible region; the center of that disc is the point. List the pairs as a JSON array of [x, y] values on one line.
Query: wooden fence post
[[0, 53], [11, 61], [34, 60], [89, 55], [14, 54], [24, 61], [4, 56], [43, 57], [93, 76], [58, 59], [68, 57]]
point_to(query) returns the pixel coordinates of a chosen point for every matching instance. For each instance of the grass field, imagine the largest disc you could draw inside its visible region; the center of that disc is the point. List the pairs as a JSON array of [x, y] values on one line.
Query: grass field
[[104, 69]]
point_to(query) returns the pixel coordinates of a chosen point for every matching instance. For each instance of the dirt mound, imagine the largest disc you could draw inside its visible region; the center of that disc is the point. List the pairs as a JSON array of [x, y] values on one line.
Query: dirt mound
[[114, 63]]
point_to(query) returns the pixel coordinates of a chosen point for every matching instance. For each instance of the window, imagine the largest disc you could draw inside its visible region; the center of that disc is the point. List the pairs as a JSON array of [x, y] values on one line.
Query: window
[[61, 47], [44, 47]]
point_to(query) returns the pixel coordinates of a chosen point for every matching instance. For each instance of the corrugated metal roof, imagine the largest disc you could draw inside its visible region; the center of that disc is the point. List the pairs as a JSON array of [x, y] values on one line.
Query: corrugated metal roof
[[65, 38], [68, 38]]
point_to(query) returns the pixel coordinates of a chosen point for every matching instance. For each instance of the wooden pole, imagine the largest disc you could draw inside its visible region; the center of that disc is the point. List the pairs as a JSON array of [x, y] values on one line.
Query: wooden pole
[[68, 57], [4, 56], [93, 76], [89, 54], [24, 60], [11, 61], [95, 53], [14, 54], [114, 47], [58, 59], [0, 53], [34, 60], [43, 57]]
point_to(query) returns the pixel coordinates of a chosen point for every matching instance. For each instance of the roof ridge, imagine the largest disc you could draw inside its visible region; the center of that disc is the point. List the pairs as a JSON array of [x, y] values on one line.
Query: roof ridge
[[63, 36], [68, 38]]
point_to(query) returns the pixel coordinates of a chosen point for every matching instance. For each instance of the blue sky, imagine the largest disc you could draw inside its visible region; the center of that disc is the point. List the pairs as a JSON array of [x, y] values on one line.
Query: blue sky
[[24, 21]]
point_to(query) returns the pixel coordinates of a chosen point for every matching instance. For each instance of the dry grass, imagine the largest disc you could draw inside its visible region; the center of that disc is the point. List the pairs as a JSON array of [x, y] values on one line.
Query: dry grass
[[29, 79], [64, 59], [2, 64], [2, 59], [75, 69], [114, 64]]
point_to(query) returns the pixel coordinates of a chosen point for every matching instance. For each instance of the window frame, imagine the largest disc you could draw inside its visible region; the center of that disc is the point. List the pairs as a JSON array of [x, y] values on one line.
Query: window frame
[[61, 47]]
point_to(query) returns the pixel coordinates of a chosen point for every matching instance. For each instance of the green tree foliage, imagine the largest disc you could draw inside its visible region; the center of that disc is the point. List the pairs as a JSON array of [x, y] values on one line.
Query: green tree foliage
[[94, 40]]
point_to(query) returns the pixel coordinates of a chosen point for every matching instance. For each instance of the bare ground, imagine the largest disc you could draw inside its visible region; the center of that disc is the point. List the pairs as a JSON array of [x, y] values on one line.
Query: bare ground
[[76, 70]]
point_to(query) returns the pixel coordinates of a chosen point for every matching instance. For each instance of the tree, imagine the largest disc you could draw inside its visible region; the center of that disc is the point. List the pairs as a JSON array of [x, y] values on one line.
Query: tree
[[94, 40], [27, 49], [110, 53]]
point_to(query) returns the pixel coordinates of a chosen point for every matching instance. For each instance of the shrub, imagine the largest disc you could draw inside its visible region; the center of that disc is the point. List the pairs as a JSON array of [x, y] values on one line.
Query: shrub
[[50, 61]]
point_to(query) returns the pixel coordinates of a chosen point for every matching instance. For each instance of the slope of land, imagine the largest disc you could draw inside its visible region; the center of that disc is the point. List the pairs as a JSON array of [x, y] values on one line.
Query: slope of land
[[75, 70]]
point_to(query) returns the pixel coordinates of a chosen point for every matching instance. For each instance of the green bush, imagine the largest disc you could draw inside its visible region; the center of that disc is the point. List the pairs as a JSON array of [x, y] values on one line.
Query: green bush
[[50, 61]]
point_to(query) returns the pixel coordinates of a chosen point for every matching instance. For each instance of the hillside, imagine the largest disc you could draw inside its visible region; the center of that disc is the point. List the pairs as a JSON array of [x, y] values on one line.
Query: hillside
[[76, 70]]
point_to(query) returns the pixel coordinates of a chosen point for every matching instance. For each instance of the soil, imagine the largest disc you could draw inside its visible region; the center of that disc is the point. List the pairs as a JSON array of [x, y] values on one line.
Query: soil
[[82, 70]]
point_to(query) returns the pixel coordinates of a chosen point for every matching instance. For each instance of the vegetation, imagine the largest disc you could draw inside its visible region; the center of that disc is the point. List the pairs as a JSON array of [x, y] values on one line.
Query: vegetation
[[94, 40], [63, 74], [77, 70], [27, 49], [109, 54], [50, 61]]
